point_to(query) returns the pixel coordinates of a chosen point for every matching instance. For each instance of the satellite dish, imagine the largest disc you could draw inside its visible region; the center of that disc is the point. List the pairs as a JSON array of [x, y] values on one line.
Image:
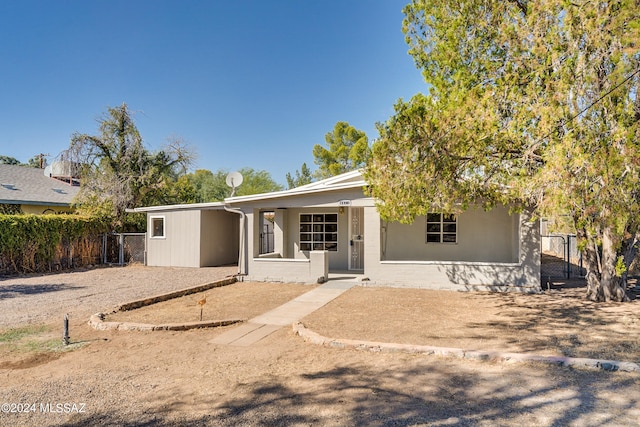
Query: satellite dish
[[234, 179]]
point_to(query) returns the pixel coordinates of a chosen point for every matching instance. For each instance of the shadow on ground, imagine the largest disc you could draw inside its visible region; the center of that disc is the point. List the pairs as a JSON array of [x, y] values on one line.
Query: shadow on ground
[[433, 394], [11, 291], [563, 320]]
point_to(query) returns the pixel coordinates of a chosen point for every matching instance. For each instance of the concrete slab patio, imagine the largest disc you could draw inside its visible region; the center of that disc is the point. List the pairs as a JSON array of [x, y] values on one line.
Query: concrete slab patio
[[263, 325]]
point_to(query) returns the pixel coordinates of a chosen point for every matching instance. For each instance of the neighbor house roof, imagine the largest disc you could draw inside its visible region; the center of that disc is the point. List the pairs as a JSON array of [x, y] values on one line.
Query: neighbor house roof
[[23, 185]]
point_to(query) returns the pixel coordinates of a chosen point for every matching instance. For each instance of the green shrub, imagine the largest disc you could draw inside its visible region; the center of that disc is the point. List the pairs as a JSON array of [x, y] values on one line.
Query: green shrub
[[39, 243]]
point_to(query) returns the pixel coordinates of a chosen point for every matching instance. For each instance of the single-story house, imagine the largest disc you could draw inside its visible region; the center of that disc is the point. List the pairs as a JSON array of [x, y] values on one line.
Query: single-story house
[[331, 228], [35, 191]]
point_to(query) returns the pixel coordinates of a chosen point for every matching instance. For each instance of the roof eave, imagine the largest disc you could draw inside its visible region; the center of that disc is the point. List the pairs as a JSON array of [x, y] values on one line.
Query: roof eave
[[33, 202], [299, 191], [203, 206]]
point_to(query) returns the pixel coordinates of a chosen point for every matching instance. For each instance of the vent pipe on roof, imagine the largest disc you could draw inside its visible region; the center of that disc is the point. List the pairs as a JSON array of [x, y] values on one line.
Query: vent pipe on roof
[[9, 186]]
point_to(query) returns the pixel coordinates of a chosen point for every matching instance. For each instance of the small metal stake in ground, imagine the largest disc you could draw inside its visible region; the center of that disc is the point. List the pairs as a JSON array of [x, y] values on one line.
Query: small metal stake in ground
[[201, 303], [65, 333]]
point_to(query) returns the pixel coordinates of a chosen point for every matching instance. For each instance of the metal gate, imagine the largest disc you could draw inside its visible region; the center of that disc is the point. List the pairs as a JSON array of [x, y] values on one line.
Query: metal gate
[[560, 258], [356, 243], [267, 243], [123, 248]]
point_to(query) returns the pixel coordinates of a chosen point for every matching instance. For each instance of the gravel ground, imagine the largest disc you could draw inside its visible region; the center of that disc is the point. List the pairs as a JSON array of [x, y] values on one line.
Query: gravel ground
[[118, 378], [42, 298]]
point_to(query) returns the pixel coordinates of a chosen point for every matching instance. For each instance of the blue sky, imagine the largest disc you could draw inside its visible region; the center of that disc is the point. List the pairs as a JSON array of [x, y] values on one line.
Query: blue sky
[[246, 83]]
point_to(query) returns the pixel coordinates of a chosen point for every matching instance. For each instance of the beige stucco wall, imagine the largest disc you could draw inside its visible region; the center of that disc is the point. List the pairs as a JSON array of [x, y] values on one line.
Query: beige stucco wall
[[489, 236], [180, 245], [523, 273], [312, 270], [194, 238], [219, 238], [41, 209]]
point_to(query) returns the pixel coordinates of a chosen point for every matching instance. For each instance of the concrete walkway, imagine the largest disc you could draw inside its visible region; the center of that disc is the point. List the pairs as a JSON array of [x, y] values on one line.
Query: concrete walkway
[[291, 312]]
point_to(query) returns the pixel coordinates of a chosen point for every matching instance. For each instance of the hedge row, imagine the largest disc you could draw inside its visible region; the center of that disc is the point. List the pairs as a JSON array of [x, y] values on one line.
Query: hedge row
[[41, 243]]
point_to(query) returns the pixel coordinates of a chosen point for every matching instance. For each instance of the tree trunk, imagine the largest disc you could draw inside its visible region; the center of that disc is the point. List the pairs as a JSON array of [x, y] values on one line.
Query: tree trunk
[[630, 250], [610, 286], [591, 262]]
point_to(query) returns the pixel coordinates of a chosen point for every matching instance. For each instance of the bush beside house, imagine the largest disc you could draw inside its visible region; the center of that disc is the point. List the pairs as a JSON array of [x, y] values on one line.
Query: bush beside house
[[44, 243]]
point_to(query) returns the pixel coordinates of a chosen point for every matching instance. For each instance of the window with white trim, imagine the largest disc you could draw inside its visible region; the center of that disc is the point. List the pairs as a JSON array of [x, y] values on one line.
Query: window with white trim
[[441, 228], [157, 227], [319, 232]]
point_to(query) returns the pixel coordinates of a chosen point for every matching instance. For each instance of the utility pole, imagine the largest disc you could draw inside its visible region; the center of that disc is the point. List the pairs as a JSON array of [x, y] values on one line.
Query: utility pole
[[42, 159]]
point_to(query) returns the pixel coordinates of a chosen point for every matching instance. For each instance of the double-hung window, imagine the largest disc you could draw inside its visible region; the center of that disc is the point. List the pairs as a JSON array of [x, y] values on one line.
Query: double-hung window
[[442, 228], [319, 232]]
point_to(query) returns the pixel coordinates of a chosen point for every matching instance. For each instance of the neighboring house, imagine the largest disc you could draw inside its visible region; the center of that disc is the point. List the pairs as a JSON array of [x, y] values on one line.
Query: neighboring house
[[331, 228], [32, 190]]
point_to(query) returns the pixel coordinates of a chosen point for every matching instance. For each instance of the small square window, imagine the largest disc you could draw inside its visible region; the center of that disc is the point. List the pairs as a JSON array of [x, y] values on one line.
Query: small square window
[[305, 228], [441, 228], [434, 217], [433, 228], [318, 232], [449, 238], [332, 228], [433, 238], [331, 218], [157, 227]]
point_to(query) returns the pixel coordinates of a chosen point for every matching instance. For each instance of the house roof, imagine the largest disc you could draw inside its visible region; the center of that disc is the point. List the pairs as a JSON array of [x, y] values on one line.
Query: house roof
[[202, 206], [353, 179], [23, 185], [343, 181]]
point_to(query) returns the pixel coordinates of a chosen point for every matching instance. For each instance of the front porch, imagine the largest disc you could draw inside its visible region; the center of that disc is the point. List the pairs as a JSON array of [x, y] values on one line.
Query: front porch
[[314, 269]]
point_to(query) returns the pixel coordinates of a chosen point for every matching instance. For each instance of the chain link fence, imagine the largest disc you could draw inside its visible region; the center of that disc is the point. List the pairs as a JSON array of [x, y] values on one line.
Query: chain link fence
[[561, 258], [123, 248]]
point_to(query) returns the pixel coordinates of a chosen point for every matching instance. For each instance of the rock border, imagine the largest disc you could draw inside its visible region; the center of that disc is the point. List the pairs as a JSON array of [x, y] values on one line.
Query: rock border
[[573, 362], [97, 320], [175, 294]]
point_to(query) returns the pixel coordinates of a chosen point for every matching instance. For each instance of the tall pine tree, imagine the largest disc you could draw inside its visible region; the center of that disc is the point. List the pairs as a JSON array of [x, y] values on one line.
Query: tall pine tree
[[529, 103]]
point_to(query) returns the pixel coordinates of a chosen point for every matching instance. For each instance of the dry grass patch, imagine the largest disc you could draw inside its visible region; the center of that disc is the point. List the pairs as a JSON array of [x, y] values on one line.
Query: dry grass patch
[[559, 323], [240, 300]]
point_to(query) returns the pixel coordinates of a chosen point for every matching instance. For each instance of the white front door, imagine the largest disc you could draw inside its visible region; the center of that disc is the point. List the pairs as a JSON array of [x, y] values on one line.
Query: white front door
[[356, 238]]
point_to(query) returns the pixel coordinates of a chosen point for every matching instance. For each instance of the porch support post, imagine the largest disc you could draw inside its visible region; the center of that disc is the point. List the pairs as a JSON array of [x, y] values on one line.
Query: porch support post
[[319, 265], [279, 232]]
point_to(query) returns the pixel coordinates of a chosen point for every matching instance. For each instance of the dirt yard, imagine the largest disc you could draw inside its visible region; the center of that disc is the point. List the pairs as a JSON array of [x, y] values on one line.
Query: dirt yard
[[177, 378]]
